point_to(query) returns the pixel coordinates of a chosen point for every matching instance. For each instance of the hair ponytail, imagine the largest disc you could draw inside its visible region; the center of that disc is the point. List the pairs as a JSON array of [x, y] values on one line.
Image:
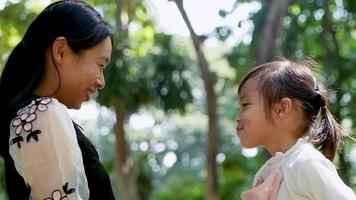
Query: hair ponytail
[[328, 136]]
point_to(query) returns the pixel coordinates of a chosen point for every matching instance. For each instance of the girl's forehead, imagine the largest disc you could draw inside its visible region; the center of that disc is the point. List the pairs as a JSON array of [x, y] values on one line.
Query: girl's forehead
[[246, 92], [249, 90], [248, 86], [242, 93]]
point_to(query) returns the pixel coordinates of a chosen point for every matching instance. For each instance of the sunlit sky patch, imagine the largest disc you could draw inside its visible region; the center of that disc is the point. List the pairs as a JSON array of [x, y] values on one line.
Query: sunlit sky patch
[[204, 21]]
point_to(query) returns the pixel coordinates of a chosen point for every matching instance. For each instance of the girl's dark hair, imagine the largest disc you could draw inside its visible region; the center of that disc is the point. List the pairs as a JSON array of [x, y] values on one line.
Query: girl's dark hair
[[280, 79], [78, 22]]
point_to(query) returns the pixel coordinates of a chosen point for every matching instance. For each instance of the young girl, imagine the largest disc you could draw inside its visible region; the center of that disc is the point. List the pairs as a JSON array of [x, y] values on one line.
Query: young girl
[[57, 65], [283, 110]]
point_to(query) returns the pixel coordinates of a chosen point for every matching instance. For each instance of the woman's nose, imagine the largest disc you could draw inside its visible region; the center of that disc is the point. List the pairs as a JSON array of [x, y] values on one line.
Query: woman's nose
[[100, 82]]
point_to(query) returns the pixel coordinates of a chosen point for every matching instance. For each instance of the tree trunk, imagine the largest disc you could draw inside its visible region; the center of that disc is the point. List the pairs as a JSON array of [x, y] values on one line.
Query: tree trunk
[[127, 181], [272, 30], [211, 106]]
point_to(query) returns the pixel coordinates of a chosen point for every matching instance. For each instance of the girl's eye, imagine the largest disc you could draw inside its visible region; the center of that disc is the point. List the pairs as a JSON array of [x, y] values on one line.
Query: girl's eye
[[245, 104]]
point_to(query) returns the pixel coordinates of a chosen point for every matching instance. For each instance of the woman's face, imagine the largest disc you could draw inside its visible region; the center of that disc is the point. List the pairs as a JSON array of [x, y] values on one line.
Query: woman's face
[[81, 74]]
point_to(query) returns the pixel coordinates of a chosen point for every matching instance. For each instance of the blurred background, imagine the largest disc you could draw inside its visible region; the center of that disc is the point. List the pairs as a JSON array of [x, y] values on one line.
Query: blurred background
[[164, 125]]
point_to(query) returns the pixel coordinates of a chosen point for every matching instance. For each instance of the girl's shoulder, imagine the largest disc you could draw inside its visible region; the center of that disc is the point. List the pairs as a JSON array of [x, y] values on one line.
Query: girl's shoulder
[[307, 158], [310, 173]]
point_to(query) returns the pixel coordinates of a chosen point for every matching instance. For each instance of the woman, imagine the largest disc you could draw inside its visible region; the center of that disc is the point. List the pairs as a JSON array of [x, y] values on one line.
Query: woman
[[58, 65]]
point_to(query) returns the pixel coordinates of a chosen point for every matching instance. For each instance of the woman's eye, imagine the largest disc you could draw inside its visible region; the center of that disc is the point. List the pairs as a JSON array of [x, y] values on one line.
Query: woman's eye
[[101, 66]]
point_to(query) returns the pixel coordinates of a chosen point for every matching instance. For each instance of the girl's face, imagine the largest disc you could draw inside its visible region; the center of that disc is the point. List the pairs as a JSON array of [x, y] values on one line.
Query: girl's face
[[82, 74], [253, 128]]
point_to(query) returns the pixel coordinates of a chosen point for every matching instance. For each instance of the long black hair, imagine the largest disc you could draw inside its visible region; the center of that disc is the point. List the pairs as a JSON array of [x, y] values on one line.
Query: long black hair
[[280, 79], [78, 22]]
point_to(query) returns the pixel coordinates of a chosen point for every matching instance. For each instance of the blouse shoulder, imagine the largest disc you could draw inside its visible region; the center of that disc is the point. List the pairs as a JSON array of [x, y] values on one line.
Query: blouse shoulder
[[38, 113], [306, 156]]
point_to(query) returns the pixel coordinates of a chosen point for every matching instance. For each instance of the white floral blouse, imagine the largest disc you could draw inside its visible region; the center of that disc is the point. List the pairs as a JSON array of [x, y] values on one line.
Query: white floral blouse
[[44, 147]]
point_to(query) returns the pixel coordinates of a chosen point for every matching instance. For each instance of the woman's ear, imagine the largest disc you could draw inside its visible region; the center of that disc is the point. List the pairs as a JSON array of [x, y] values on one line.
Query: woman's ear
[[284, 107], [59, 50]]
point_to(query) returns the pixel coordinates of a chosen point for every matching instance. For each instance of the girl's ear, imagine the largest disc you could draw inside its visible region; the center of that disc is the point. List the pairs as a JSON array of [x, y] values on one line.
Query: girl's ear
[[284, 107], [59, 50]]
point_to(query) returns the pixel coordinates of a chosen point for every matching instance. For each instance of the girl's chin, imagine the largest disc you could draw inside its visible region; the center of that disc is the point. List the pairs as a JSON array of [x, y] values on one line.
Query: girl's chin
[[247, 145]]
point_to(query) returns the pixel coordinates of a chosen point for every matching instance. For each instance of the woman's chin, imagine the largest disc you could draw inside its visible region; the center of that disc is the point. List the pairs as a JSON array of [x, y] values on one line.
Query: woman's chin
[[75, 106]]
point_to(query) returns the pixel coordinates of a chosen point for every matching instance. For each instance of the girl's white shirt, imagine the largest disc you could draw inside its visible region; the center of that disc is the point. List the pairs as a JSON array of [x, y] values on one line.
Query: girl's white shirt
[[54, 162], [307, 175]]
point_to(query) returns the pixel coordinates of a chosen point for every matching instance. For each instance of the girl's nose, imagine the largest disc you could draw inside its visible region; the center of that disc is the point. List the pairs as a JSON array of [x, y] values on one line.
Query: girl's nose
[[238, 118]]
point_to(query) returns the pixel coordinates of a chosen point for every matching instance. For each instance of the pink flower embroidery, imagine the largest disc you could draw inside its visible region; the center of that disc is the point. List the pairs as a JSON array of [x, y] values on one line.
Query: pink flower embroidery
[[24, 122], [57, 195], [24, 119], [39, 104]]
